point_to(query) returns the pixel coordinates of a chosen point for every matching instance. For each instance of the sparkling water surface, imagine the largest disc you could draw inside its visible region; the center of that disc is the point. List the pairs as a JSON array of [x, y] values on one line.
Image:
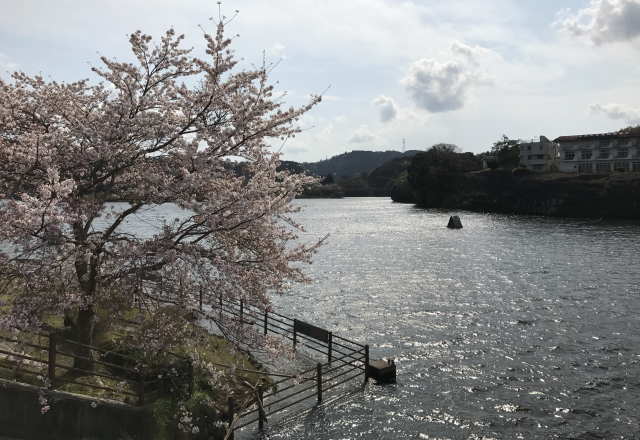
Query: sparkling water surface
[[511, 328]]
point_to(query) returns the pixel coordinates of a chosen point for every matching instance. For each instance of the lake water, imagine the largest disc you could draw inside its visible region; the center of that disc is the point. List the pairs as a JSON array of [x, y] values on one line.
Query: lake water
[[511, 328]]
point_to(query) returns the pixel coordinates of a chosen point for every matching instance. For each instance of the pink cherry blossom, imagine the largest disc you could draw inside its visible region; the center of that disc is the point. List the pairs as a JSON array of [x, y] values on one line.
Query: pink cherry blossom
[[159, 130]]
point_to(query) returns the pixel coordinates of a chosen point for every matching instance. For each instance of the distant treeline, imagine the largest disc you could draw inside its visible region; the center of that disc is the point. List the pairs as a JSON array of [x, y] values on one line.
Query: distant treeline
[[385, 173], [355, 174], [442, 177]]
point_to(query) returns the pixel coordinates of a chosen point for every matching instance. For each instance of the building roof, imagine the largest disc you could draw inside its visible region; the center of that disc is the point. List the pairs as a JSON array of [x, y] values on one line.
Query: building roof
[[585, 137]]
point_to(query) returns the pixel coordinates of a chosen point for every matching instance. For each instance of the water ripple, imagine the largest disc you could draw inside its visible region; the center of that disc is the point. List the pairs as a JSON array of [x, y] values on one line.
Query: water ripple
[[513, 327]]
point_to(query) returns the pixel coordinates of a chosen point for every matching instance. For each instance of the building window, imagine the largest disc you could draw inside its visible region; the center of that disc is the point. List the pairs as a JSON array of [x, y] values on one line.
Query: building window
[[603, 167], [569, 155], [603, 153], [585, 167], [528, 147], [623, 152], [587, 154], [636, 166], [620, 165]]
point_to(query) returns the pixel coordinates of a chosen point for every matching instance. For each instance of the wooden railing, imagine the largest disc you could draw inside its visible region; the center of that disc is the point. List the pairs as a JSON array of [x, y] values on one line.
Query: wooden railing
[[59, 366]]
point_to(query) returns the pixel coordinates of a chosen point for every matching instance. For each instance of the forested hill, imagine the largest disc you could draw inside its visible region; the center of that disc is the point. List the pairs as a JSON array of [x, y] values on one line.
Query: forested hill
[[354, 163]]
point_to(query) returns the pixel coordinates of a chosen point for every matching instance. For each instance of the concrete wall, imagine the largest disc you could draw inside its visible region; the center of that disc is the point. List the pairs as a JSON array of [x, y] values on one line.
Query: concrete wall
[[70, 417], [539, 155]]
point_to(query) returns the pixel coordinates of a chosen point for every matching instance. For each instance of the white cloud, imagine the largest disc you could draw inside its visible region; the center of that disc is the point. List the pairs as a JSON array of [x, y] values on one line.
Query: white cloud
[[387, 106], [438, 87], [472, 54], [603, 21], [277, 52], [442, 86], [618, 112], [362, 135]]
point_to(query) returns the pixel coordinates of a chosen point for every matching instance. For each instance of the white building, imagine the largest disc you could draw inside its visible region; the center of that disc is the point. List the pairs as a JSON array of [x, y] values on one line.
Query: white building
[[599, 153], [539, 155]]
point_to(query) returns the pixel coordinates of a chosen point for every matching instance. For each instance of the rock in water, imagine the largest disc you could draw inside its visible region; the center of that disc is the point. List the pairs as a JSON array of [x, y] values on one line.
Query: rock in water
[[454, 222], [382, 371]]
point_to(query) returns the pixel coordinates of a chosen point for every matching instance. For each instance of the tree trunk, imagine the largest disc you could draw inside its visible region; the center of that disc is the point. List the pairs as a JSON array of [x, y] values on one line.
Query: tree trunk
[[83, 334], [83, 327]]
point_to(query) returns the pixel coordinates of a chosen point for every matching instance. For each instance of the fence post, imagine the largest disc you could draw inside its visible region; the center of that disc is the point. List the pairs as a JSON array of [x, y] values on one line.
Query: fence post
[[266, 317], [220, 308], [200, 299], [52, 358], [241, 311], [295, 335], [261, 415], [230, 415], [329, 347], [319, 381], [366, 363]]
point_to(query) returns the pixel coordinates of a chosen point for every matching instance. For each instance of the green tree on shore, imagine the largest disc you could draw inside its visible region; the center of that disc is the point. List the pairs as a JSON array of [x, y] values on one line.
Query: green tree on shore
[[506, 152], [438, 173]]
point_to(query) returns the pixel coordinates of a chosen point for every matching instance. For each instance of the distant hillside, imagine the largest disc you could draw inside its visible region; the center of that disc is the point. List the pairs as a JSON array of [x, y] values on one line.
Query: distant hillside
[[354, 163], [387, 177]]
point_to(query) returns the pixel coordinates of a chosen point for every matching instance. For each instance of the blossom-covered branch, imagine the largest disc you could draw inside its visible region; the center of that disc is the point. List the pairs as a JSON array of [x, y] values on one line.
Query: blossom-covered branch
[[159, 130]]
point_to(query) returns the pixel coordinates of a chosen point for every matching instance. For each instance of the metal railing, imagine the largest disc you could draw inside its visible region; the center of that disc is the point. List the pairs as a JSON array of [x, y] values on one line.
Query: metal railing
[[343, 361]]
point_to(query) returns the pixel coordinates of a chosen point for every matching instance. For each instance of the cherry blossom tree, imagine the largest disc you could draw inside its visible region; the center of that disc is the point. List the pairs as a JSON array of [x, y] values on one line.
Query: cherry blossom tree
[[160, 130]]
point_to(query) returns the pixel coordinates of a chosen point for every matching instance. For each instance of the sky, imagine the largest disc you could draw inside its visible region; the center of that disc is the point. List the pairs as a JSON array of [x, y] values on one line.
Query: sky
[[423, 71]]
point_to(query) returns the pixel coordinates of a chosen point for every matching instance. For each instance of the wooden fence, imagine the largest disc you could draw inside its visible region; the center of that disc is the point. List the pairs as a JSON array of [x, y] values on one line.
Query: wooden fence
[[342, 361], [58, 364]]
